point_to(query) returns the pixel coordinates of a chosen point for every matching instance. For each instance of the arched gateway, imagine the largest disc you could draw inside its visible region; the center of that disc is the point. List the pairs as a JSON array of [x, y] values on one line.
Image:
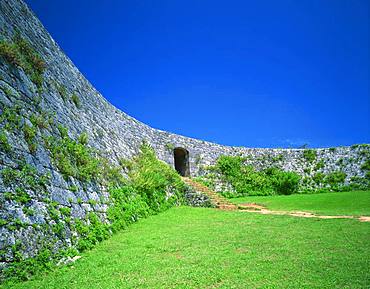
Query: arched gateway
[[181, 157]]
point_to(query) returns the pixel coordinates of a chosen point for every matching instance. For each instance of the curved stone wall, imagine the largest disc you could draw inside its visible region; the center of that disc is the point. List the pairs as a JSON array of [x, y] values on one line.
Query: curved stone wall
[[110, 131]]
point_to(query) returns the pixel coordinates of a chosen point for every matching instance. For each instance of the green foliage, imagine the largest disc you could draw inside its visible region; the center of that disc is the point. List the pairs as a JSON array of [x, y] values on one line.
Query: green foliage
[[125, 164], [366, 165], [111, 175], [309, 155], [245, 180], [73, 188], [19, 52], [170, 147], [65, 211], [58, 229], [24, 177], [11, 117], [9, 51], [283, 183], [30, 133], [62, 91], [92, 202], [128, 207], [154, 179], [91, 234], [24, 268], [278, 158], [318, 178], [320, 165], [152, 187], [28, 211], [42, 120], [4, 143], [336, 178], [72, 158], [21, 196], [83, 138], [76, 100]]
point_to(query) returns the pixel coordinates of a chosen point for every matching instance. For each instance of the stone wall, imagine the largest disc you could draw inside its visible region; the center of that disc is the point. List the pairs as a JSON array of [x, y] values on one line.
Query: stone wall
[[110, 131]]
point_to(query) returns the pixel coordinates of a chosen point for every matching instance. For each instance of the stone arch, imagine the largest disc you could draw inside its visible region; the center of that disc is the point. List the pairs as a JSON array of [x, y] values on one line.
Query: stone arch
[[181, 158]]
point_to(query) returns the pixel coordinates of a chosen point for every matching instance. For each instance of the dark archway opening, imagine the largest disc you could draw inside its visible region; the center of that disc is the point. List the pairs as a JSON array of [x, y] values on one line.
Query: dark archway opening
[[181, 157]]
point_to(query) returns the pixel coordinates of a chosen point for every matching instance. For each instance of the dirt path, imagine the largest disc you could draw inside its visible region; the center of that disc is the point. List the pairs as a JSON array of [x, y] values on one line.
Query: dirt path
[[224, 204], [254, 208]]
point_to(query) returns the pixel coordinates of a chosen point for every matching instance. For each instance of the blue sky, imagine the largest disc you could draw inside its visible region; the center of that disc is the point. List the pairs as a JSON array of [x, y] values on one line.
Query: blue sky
[[245, 73]]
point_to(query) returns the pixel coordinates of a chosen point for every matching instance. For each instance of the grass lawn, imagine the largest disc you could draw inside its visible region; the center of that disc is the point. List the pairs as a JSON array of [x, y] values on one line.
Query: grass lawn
[[208, 248], [342, 203]]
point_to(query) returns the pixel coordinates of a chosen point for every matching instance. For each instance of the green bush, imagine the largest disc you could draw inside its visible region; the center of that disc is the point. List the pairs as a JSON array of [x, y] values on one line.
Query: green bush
[[366, 165], [11, 117], [72, 158], [30, 135], [9, 51], [320, 165], [76, 100], [245, 180], [62, 91], [318, 178], [152, 187], [283, 183], [4, 143], [309, 155], [335, 179], [19, 52]]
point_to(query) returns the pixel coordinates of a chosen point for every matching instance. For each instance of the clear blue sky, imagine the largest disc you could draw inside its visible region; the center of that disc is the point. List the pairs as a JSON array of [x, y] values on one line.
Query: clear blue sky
[[251, 73]]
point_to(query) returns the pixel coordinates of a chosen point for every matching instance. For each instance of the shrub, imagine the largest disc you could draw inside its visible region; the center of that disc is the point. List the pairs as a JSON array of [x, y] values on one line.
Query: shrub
[[335, 178], [19, 52], [245, 180], [30, 135], [11, 117], [62, 91], [152, 186], [319, 165], [318, 178], [309, 155], [283, 183], [76, 100], [83, 138], [4, 143], [42, 120], [72, 158], [366, 165], [157, 183], [10, 53]]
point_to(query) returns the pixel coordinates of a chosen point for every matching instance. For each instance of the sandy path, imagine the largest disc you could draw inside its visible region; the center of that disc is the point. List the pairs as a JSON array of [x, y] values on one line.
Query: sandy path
[[254, 208]]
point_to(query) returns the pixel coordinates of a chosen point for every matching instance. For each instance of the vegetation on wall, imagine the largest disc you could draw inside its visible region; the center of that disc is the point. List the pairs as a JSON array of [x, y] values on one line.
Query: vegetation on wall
[[151, 187], [73, 158], [234, 177], [20, 53], [245, 180], [309, 155]]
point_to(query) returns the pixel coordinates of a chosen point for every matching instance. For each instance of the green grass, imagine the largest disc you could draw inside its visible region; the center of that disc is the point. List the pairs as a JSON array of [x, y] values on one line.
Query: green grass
[[208, 248], [342, 203]]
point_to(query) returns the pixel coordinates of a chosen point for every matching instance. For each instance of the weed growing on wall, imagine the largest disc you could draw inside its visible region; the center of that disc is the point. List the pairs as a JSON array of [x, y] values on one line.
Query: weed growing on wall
[[309, 155], [19, 52], [245, 180], [73, 158], [151, 187]]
